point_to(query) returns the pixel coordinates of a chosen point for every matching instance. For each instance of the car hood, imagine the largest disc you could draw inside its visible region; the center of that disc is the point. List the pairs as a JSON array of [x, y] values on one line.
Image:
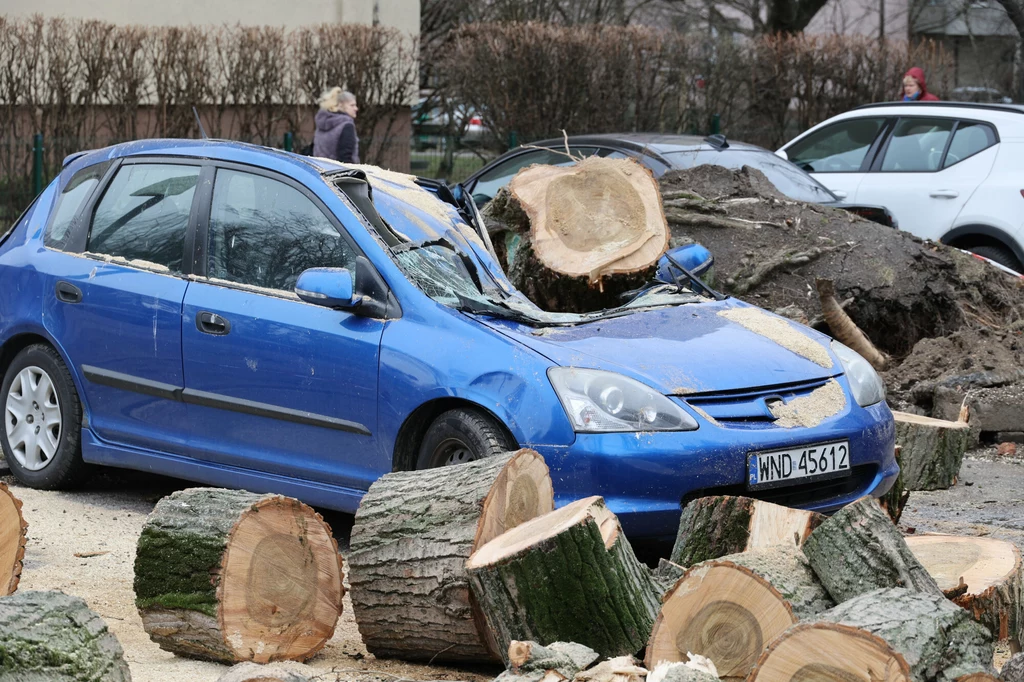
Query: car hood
[[696, 348]]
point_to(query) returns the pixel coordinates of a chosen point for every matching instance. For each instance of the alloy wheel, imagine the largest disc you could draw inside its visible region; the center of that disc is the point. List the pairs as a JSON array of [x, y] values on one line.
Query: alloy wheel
[[32, 418]]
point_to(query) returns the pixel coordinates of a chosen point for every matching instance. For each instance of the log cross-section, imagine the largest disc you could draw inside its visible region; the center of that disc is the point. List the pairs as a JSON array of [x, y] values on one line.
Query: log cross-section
[[13, 530]]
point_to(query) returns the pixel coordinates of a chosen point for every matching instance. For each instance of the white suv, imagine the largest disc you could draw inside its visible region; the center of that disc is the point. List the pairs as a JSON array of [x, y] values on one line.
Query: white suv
[[947, 171]]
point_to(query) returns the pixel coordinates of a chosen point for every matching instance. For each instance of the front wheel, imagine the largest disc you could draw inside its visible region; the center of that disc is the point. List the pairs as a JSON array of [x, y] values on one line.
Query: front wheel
[[462, 435], [999, 254], [41, 437]]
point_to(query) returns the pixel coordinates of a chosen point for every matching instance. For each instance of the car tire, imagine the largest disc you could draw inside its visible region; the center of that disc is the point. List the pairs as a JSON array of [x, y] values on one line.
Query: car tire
[[38, 389], [999, 254], [462, 435]]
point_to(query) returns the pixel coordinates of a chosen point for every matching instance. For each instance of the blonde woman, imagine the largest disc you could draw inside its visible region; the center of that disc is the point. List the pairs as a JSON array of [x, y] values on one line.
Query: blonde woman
[[335, 136]]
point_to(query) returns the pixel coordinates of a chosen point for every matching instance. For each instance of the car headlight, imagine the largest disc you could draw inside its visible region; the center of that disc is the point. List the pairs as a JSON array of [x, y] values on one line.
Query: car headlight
[[865, 383], [601, 402]]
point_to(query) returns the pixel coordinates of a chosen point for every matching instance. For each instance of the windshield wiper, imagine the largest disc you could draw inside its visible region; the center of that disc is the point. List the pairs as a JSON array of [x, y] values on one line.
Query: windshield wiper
[[695, 284], [495, 309]]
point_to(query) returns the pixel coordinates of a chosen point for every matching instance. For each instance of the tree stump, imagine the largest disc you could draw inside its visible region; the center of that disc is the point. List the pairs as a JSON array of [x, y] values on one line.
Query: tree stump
[[728, 609], [412, 536], [931, 450], [229, 575], [983, 574], [577, 236], [938, 639], [54, 636], [13, 530], [712, 527], [568, 576], [859, 549], [825, 651]]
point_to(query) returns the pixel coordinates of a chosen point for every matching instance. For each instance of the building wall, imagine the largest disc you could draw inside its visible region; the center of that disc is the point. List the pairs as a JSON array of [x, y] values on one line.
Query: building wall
[[862, 17]]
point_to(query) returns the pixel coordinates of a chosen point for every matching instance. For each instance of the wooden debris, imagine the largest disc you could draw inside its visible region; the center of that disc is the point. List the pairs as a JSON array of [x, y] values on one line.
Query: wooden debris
[[620, 669], [412, 536], [679, 672], [13, 533], [531, 585], [932, 450], [269, 672], [229, 575], [531, 662], [846, 330], [712, 527], [859, 549]]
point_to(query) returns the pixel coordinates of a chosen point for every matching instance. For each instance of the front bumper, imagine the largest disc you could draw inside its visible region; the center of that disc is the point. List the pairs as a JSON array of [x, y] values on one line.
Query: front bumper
[[646, 477]]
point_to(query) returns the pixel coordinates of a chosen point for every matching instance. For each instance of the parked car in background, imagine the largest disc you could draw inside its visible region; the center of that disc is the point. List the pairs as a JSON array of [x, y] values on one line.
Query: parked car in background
[[245, 317], [979, 93], [950, 172], [431, 125], [660, 154]]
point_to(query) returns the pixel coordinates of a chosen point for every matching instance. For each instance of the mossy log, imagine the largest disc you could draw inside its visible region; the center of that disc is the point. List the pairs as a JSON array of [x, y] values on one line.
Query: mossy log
[[728, 609], [229, 575], [575, 237], [983, 575], [412, 536], [932, 450], [13, 531], [55, 637], [712, 527], [568, 576], [858, 549], [939, 640]]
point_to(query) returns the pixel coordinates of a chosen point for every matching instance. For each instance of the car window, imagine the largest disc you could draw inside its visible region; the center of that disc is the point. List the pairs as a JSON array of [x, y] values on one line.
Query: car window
[[787, 178], [488, 184], [969, 139], [264, 233], [838, 148], [916, 145], [144, 214], [74, 194]]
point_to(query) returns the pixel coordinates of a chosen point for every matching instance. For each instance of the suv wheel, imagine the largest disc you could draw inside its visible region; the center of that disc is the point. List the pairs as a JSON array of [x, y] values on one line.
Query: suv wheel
[[41, 438], [999, 254], [462, 435]]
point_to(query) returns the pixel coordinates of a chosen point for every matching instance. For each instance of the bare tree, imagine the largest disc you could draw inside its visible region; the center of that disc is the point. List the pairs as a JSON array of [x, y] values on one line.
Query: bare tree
[[1015, 10]]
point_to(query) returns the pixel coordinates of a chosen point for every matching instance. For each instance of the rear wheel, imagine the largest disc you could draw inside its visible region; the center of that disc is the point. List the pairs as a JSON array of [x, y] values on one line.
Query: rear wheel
[[41, 437], [462, 435], [999, 254]]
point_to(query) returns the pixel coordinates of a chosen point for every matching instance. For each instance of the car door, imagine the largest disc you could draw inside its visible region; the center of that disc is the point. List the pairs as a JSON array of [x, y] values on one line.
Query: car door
[[927, 170], [116, 282], [272, 383], [839, 155]]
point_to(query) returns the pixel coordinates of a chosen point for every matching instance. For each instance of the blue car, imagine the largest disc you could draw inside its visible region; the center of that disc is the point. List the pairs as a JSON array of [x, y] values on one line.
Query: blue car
[[244, 317]]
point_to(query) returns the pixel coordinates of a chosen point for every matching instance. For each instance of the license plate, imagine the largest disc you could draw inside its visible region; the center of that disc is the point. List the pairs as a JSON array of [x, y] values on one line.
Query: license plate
[[779, 467]]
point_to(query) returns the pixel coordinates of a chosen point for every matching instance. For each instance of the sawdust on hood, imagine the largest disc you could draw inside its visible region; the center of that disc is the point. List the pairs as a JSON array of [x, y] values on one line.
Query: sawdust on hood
[[781, 331], [810, 410]]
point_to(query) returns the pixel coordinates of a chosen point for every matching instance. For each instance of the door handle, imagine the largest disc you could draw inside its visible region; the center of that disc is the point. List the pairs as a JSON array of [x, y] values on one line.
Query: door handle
[[212, 323], [68, 292], [945, 194]]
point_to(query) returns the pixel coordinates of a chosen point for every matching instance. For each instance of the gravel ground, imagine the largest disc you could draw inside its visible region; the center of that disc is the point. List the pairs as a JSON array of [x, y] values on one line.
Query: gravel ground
[[106, 517]]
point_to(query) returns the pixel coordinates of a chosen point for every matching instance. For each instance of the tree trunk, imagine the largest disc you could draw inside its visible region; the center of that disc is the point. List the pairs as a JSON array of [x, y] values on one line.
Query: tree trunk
[[1013, 669], [575, 237], [984, 573], [712, 527], [894, 501], [938, 640], [229, 575], [412, 536], [728, 609], [567, 576], [12, 540], [826, 651], [932, 450], [55, 636], [859, 549]]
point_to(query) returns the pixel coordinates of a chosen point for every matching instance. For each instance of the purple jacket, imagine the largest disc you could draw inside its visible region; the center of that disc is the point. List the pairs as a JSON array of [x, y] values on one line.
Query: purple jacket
[[335, 137]]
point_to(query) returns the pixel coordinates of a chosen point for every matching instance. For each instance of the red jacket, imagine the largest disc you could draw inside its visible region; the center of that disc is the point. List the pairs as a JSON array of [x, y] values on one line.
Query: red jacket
[[918, 74]]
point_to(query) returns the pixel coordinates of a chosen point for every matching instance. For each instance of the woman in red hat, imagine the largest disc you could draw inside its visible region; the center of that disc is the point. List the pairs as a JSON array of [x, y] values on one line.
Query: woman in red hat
[[914, 87]]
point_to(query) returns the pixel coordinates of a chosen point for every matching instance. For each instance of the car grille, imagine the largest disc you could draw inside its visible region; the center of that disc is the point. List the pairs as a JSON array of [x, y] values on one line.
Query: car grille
[[801, 494], [747, 408]]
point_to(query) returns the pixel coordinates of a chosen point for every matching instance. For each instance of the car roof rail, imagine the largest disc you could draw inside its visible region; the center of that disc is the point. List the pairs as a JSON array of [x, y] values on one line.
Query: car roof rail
[[1009, 108]]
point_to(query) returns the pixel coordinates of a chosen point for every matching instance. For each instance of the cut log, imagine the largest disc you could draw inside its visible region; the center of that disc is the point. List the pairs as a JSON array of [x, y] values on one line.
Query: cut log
[[13, 530], [568, 576], [577, 236], [931, 450], [728, 609], [859, 549], [712, 527], [270, 672], [228, 575], [986, 573], [894, 501], [938, 639], [1013, 669], [55, 636], [412, 536], [813, 652]]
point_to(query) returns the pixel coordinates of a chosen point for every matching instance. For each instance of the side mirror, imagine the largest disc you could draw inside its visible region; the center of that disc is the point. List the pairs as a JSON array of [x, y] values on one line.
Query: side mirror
[[782, 153], [694, 257], [329, 287]]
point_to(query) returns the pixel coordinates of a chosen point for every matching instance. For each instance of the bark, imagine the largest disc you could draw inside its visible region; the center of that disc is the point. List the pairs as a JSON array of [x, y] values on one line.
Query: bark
[[13, 529], [844, 329], [859, 549], [931, 450], [667, 574], [412, 536], [51, 636], [567, 576], [938, 640], [1013, 669], [229, 575], [568, 658], [894, 501], [712, 527]]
